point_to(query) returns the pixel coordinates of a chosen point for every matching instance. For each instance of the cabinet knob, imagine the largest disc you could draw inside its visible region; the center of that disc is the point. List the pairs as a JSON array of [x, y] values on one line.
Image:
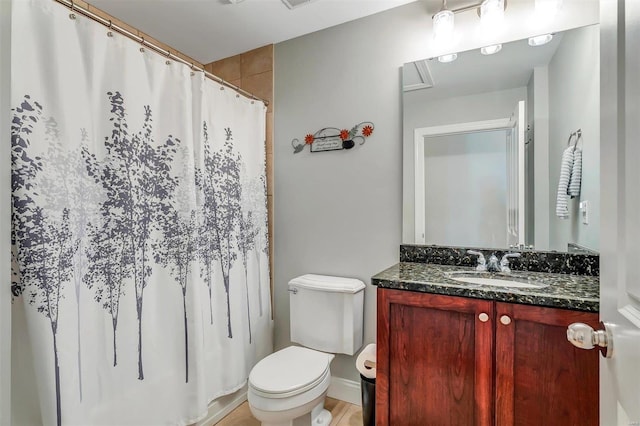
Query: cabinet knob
[[504, 319], [483, 317]]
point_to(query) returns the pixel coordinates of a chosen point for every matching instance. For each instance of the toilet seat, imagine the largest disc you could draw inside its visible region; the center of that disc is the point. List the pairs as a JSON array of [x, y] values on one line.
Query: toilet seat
[[289, 372]]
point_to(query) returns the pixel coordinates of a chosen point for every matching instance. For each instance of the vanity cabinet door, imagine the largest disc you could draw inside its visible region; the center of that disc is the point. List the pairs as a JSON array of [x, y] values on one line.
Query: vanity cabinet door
[[435, 360], [541, 379]]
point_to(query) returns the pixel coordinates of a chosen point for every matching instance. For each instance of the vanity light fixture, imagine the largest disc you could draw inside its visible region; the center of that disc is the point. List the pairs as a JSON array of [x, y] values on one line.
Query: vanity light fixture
[[540, 40], [443, 24], [448, 58], [490, 50], [491, 13]]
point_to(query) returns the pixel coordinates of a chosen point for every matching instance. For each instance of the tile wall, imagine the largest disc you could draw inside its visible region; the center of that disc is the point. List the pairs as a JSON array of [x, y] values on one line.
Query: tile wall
[[253, 71]]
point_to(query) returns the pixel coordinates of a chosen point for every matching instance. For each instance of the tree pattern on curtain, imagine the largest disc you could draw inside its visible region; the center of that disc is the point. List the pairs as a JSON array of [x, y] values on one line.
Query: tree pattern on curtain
[[100, 222]]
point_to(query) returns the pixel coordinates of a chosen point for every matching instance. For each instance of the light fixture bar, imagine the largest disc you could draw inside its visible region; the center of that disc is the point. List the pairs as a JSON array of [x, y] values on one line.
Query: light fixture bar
[[470, 7]]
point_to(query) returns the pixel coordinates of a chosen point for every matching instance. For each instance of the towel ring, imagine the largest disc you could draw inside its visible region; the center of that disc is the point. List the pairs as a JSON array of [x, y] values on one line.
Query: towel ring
[[578, 135]]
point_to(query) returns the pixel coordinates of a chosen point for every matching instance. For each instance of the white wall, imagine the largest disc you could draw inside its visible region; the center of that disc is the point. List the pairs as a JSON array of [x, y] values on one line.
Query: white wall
[[472, 212], [5, 212], [574, 103], [340, 212], [420, 111]]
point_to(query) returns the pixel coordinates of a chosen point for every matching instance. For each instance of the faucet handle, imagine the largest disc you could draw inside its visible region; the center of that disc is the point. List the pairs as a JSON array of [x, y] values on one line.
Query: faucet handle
[[482, 263], [504, 263]]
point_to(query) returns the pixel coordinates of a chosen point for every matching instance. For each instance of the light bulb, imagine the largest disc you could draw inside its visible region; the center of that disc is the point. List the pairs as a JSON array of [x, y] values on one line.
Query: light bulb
[[490, 50], [492, 13], [540, 40], [547, 9], [448, 58], [443, 23]]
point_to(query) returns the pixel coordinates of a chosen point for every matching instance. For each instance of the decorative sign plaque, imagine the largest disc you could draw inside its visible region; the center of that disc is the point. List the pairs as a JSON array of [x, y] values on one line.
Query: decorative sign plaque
[[326, 143], [333, 139]]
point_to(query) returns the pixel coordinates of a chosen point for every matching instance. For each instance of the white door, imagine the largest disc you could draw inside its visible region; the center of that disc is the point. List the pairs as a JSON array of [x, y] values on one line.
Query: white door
[[516, 178], [620, 218], [5, 213]]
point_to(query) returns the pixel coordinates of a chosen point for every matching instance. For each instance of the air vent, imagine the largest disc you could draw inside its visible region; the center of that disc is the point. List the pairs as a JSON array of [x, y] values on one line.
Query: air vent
[[292, 4]]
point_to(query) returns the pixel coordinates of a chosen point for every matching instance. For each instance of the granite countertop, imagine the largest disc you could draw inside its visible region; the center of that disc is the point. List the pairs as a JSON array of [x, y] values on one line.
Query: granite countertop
[[576, 292]]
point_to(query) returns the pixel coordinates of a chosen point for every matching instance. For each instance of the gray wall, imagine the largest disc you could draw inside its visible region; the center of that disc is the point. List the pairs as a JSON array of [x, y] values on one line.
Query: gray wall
[[420, 111], [529, 157], [471, 210], [542, 205], [574, 102], [339, 213]]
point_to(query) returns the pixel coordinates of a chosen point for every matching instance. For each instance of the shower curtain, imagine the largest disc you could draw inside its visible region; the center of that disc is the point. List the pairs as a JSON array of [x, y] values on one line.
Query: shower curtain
[[139, 226]]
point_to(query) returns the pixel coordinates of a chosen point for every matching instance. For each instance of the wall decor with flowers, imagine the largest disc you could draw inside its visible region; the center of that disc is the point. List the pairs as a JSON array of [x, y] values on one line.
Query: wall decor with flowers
[[333, 139]]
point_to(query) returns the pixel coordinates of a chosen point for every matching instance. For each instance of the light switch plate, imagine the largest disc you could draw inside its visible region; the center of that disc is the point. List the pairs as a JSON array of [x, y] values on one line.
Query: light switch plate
[[584, 211]]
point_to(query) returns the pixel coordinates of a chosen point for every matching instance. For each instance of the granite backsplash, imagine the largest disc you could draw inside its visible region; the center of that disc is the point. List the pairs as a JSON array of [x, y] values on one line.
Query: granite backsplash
[[534, 261]]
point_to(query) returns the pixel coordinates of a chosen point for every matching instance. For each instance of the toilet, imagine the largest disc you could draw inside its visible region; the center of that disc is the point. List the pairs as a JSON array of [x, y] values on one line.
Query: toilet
[[288, 387]]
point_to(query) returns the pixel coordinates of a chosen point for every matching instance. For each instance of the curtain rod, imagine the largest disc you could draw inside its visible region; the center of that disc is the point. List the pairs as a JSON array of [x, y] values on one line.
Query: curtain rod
[[167, 53]]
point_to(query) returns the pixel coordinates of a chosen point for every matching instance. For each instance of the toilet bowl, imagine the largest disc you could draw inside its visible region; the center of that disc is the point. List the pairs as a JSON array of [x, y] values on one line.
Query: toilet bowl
[[288, 388]]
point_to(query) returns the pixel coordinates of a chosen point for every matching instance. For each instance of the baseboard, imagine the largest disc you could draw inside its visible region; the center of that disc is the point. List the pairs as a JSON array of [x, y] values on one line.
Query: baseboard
[[345, 390], [220, 409]]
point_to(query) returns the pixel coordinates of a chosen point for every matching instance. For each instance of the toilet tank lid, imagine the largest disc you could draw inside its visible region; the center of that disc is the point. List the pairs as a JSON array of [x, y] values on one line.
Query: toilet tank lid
[[328, 283]]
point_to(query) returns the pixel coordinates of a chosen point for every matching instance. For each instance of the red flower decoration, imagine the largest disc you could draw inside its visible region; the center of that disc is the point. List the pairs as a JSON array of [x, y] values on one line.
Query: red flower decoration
[[344, 134], [367, 130], [309, 139]]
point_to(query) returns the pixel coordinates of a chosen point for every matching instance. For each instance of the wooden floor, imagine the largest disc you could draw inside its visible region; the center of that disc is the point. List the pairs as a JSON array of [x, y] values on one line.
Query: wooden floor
[[344, 414]]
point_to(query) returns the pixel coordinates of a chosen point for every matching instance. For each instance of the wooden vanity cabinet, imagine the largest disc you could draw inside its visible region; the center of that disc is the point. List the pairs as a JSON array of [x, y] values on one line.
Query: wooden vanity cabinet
[[542, 379], [447, 360], [434, 360]]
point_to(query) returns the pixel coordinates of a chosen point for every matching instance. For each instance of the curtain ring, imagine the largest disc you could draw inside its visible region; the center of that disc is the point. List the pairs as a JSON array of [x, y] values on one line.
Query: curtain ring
[[142, 44], [72, 15], [192, 71], [110, 33], [222, 84]]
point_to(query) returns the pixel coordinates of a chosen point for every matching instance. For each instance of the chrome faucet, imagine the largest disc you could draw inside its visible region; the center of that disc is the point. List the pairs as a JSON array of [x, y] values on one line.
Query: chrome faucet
[[493, 265], [504, 263], [482, 263]]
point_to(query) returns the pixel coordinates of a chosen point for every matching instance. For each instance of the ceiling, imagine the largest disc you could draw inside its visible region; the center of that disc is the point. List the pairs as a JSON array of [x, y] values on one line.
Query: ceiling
[[208, 30]]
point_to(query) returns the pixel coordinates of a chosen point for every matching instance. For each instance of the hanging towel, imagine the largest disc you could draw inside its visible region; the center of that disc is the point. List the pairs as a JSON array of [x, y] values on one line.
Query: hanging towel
[[576, 173], [562, 200]]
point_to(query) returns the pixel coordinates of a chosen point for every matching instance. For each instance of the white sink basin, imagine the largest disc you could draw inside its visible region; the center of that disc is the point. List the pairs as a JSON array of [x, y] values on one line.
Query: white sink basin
[[496, 280]]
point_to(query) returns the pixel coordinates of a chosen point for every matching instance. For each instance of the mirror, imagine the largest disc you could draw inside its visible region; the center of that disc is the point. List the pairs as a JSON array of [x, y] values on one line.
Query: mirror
[[483, 145]]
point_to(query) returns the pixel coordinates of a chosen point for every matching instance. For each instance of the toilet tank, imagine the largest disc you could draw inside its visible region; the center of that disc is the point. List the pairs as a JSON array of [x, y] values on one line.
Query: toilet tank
[[327, 313]]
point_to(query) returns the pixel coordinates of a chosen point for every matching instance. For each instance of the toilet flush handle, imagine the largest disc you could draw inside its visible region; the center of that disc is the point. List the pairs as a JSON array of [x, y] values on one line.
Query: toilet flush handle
[[293, 290]]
